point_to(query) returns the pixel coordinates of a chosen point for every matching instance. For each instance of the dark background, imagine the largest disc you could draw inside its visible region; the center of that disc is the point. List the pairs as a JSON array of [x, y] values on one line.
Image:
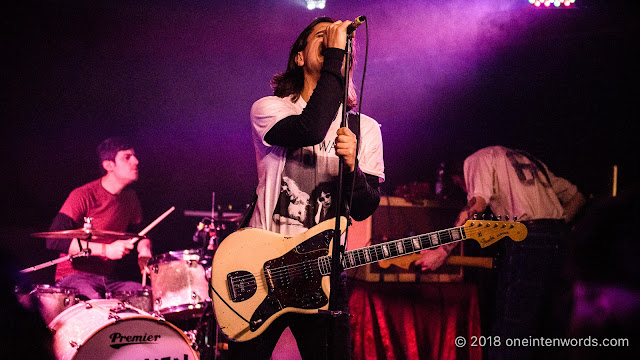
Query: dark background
[[443, 78]]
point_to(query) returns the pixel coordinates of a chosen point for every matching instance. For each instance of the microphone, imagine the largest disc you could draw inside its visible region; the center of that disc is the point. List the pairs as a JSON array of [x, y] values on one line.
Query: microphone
[[354, 25]]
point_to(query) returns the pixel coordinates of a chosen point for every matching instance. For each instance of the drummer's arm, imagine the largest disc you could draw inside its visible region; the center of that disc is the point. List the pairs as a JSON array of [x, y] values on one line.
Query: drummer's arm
[[63, 222]]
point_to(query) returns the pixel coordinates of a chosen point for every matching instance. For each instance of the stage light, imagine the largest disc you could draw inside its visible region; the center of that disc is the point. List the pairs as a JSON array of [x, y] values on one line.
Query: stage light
[[548, 3], [315, 4]]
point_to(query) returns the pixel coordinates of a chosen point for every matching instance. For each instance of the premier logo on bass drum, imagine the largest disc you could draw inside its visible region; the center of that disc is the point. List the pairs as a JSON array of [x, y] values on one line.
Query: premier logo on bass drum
[[118, 340]]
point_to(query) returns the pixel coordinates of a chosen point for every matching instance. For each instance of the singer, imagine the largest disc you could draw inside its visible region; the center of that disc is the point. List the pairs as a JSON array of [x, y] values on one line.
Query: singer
[[298, 142]]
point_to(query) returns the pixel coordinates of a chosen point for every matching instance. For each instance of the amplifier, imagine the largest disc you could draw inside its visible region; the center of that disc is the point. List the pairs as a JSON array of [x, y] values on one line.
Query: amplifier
[[395, 219]]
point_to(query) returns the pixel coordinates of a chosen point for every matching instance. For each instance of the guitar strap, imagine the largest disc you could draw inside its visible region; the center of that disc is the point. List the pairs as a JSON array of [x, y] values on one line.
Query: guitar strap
[[249, 212]]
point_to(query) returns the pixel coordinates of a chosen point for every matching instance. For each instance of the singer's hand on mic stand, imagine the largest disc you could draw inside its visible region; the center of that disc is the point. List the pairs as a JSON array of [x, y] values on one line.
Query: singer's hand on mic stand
[[335, 35]]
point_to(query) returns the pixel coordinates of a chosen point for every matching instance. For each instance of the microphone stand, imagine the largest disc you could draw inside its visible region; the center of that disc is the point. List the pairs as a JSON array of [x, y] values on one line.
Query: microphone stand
[[337, 248]]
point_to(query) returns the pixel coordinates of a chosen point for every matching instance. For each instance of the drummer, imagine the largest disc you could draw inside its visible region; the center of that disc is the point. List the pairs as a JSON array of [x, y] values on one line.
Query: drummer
[[114, 207]]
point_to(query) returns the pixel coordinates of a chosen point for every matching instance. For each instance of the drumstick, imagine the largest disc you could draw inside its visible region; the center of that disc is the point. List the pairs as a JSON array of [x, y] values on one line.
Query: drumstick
[[146, 230], [152, 225]]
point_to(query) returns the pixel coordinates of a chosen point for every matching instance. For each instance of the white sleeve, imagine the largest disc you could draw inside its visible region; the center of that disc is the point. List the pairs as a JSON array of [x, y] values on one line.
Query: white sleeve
[[478, 175], [370, 156], [266, 112]]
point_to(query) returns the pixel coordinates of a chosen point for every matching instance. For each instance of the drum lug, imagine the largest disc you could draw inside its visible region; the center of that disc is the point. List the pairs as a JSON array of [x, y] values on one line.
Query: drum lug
[[113, 315], [74, 344], [87, 306]]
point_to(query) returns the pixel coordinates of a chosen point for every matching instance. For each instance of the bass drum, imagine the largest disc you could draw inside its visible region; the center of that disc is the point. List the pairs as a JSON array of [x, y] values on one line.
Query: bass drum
[[111, 329]]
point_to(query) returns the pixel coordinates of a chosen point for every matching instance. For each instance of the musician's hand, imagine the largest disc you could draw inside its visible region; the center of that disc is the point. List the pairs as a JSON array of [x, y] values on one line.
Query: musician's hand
[[432, 259], [117, 249], [346, 145], [335, 35]]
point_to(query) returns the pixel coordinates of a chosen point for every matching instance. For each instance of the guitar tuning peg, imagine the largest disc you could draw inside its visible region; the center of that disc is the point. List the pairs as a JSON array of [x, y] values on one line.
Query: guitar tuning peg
[[506, 217], [499, 217], [483, 216], [515, 218], [475, 216], [491, 218]]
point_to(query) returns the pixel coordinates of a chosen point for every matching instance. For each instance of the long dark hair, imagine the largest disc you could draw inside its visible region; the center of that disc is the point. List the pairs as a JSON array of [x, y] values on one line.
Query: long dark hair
[[291, 82]]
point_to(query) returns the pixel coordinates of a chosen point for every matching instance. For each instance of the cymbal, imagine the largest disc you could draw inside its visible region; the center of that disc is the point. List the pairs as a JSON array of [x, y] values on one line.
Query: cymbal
[[86, 234], [228, 217]]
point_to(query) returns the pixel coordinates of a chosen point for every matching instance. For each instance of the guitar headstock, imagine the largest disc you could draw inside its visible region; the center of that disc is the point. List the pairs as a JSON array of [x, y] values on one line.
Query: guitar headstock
[[487, 232]]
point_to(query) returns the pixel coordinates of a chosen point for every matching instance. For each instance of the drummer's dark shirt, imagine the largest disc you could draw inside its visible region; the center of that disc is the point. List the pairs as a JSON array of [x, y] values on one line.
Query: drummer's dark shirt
[[121, 213]]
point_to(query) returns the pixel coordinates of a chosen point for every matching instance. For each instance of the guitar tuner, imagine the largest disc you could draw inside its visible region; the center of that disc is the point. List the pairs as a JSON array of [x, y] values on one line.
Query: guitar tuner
[[506, 217]]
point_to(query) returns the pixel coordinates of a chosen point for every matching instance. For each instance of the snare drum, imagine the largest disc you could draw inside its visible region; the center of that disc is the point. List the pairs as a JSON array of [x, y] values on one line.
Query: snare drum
[[49, 300], [142, 299], [179, 284], [111, 329]]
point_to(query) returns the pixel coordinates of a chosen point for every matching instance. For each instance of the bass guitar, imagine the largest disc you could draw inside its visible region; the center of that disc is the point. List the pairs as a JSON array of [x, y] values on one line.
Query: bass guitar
[[258, 275]]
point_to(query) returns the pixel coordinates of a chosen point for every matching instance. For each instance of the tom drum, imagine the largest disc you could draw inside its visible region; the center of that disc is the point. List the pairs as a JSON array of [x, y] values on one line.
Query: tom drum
[[179, 284]]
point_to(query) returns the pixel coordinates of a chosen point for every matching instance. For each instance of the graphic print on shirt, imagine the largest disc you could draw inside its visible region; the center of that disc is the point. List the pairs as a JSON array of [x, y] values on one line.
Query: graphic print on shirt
[[308, 186], [526, 169]]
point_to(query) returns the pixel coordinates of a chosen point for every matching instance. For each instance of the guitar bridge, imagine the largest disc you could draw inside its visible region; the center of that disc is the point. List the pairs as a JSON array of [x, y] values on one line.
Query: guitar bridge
[[241, 285]]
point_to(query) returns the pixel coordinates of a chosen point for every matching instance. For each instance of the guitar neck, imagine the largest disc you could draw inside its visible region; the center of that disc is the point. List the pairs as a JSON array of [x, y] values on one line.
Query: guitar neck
[[394, 248]]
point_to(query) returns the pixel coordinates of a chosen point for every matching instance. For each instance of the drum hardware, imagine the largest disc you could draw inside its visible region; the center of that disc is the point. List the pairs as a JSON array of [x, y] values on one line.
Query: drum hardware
[[114, 316]]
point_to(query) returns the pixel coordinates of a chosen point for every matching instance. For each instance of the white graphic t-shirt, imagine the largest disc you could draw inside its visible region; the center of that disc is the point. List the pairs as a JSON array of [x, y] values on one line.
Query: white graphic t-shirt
[[297, 187], [508, 181]]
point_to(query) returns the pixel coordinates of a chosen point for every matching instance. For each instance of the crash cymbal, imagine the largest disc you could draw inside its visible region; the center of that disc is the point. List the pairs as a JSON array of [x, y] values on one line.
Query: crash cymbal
[[85, 234]]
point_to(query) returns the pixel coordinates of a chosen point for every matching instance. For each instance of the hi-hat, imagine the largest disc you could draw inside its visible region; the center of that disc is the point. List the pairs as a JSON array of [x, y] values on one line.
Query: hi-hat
[[85, 234]]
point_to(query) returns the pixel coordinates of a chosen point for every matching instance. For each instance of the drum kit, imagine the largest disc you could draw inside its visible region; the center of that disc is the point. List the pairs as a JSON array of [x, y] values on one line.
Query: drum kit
[[172, 318]]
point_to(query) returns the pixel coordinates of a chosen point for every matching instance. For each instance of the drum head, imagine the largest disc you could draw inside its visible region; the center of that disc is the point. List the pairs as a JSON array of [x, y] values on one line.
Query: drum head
[[109, 329]]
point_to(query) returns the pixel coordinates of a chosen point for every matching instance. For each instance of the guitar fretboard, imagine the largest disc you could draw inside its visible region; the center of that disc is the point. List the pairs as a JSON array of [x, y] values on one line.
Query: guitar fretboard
[[395, 248]]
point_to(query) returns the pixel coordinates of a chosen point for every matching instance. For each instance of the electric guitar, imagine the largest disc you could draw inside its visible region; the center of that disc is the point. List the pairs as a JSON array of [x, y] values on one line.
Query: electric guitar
[[258, 275]]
